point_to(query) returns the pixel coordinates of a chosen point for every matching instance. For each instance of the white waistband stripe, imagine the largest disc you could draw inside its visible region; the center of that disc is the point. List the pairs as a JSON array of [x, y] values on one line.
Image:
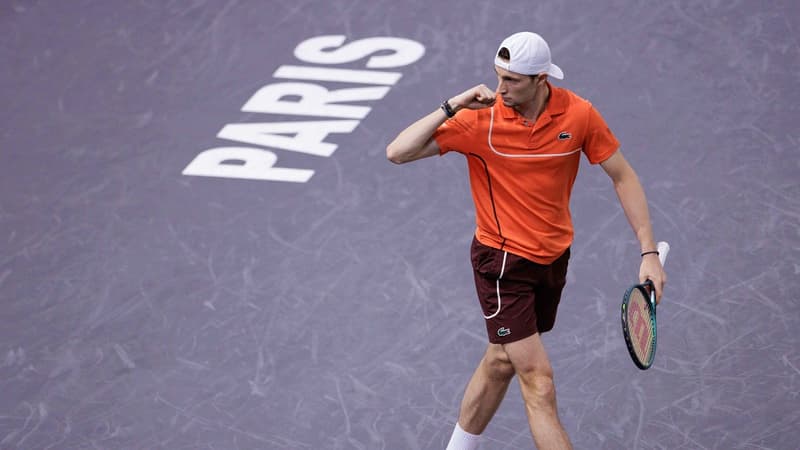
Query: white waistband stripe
[[497, 287]]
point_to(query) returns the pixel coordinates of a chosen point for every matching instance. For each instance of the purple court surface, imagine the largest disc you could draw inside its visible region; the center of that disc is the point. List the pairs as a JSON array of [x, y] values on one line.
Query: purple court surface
[[203, 246]]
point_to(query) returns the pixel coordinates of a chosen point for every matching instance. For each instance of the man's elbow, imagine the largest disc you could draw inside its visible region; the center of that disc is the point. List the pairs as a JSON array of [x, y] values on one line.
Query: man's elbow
[[394, 154]]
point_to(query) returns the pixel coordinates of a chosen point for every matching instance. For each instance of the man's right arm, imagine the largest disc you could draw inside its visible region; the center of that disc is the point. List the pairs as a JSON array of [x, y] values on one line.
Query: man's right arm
[[416, 141]]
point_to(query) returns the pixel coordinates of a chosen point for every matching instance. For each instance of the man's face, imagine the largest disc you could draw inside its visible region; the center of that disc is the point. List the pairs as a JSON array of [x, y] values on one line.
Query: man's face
[[516, 89]]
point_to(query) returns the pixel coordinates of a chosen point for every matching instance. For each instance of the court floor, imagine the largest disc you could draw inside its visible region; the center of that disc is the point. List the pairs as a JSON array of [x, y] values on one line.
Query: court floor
[[193, 258]]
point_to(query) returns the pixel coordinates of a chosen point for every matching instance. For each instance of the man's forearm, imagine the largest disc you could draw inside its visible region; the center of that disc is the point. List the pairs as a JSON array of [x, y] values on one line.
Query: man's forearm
[[415, 141], [634, 203]]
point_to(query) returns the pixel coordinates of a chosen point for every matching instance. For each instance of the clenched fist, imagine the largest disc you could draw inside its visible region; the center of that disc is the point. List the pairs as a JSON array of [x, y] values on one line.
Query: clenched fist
[[477, 97]]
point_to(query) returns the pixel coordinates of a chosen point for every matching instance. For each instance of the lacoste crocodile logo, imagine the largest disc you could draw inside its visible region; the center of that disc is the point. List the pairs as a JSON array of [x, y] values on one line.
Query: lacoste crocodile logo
[[503, 332], [564, 135]]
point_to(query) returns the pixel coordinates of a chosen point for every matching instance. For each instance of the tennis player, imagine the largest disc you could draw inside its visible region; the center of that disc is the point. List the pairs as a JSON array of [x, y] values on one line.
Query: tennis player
[[523, 143]]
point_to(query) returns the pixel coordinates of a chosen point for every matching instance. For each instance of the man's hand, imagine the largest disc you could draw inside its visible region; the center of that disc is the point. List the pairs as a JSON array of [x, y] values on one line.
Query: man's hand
[[652, 270], [478, 97]]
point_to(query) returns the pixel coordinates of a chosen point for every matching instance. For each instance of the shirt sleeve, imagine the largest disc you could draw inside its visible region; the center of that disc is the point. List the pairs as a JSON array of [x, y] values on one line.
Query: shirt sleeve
[[600, 142], [455, 134]]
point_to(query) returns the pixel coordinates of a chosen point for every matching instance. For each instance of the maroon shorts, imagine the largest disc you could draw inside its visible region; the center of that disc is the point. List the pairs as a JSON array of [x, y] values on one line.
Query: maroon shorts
[[518, 297]]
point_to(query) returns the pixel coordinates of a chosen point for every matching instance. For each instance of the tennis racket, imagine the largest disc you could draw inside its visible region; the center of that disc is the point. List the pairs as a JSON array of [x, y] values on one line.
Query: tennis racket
[[639, 318]]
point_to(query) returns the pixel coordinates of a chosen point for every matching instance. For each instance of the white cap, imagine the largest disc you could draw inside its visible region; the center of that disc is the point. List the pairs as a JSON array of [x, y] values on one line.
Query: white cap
[[530, 55]]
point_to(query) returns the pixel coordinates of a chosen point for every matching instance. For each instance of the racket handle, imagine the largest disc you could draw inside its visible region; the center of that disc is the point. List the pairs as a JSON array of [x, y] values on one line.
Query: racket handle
[[663, 251]]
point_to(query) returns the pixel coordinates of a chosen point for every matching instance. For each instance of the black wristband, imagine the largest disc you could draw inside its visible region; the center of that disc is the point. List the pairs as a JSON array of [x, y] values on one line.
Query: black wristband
[[650, 253], [448, 110]]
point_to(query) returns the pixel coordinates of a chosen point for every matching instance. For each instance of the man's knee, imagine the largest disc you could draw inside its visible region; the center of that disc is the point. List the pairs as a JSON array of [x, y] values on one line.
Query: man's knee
[[534, 371], [536, 380], [498, 364], [539, 389]]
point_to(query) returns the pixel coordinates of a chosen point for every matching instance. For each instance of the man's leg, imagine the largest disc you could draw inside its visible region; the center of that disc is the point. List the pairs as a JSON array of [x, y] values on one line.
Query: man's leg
[[535, 373], [483, 396], [485, 390]]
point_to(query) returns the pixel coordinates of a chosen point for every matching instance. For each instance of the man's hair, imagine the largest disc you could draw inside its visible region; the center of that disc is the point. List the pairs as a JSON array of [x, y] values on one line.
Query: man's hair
[[506, 56]]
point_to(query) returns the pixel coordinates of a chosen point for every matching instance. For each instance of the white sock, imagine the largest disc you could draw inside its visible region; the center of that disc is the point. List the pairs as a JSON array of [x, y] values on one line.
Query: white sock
[[461, 440]]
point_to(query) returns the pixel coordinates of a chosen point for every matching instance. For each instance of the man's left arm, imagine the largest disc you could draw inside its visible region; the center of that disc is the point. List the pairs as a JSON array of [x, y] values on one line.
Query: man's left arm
[[634, 203]]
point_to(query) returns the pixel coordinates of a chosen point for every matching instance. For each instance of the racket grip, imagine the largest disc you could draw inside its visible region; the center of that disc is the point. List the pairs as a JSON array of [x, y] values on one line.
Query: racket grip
[[663, 251]]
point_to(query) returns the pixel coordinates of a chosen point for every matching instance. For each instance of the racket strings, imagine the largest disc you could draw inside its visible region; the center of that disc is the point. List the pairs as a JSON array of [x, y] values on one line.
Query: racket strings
[[641, 327]]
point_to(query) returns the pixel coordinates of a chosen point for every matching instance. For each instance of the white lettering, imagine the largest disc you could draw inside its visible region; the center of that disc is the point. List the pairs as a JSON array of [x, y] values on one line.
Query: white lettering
[[339, 75], [314, 100], [299, 98], [308, 136], [243, 163], [315, 50]]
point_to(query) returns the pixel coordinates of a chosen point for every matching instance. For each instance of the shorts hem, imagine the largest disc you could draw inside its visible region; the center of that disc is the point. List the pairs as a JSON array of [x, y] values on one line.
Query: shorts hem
[[494, 339]]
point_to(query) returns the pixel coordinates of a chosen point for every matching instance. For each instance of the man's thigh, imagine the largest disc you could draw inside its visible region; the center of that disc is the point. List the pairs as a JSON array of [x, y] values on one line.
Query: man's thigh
[[528, 356]]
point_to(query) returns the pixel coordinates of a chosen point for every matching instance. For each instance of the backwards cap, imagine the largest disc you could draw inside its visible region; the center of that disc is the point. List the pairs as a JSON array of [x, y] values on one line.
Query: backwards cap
[[529, 55]]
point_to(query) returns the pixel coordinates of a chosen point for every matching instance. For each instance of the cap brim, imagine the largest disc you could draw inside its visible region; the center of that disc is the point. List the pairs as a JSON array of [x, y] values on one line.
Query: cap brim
[[555, 72]]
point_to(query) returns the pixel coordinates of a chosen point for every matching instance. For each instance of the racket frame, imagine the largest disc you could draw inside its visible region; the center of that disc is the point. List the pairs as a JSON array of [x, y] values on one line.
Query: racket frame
[[648, 290]]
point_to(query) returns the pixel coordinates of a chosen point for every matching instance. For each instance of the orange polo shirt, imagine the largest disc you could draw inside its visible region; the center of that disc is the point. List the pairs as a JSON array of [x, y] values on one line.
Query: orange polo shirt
[[521, 174]]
